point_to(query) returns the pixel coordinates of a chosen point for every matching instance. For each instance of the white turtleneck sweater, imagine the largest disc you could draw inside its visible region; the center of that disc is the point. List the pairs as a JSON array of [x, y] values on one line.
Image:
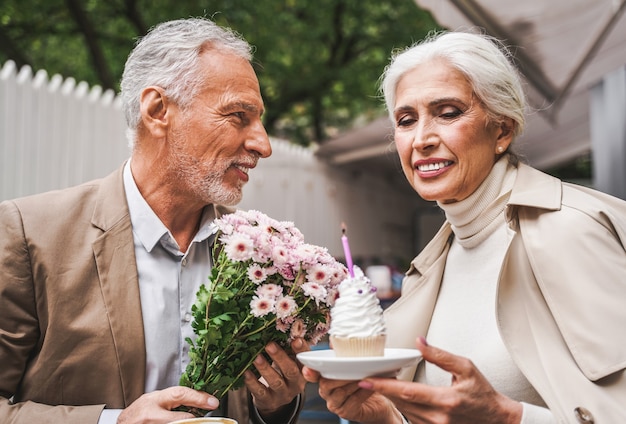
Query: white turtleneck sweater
[[464, 319]]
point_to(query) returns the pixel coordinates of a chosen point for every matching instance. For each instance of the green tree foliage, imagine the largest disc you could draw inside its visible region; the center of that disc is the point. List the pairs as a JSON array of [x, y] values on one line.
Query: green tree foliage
[[318, 61]]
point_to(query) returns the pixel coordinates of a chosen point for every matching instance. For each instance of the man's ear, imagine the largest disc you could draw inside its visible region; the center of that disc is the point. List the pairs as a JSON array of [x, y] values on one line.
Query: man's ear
[[153, 106]]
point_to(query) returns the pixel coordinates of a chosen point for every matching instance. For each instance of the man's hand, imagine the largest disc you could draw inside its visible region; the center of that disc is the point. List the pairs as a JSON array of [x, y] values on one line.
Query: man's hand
[[280, 381], [156, 407]]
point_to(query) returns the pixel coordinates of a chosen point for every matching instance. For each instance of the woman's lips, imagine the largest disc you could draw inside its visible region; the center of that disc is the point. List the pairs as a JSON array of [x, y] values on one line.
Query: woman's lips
[[432, 167]]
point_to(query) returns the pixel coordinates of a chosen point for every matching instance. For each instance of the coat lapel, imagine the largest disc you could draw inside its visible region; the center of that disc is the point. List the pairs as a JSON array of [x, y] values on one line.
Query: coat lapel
[[409, 317]]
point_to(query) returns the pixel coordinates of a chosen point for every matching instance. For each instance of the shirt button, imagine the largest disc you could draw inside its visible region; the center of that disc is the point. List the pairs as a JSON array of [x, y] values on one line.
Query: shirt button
[[184, 262], [583, 415], [187, 317]]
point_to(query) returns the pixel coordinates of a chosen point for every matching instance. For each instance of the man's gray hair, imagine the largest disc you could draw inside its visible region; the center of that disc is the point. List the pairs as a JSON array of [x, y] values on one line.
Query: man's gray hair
[[168, 57]]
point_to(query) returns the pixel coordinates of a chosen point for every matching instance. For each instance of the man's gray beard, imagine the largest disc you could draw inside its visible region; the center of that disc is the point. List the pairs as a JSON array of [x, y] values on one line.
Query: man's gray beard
[[211, 188], [217, 194]]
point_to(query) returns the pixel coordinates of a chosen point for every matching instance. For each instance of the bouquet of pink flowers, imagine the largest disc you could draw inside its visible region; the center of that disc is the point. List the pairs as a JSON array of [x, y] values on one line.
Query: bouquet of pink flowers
[[266, 284]]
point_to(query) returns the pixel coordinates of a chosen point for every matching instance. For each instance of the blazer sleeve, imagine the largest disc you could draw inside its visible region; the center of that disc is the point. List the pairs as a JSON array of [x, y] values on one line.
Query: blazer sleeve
[[20, 330]]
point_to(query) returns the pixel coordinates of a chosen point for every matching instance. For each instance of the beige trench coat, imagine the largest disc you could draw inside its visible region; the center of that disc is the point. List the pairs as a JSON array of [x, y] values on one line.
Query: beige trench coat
[[561, 300]]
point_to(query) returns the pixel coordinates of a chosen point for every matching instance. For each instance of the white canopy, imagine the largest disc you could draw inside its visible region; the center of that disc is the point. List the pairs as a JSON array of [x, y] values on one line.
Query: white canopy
[[562, 47]]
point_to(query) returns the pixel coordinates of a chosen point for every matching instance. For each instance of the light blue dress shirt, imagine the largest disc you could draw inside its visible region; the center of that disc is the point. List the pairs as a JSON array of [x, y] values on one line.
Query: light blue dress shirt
[[168, 282]]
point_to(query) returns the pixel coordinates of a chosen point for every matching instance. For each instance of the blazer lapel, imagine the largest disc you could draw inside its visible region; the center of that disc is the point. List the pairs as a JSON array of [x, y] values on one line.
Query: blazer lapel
[[114, 254]]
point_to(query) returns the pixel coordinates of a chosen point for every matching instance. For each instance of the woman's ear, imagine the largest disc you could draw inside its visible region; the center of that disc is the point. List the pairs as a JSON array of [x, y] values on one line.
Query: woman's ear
[[153, 106], [506, 128]]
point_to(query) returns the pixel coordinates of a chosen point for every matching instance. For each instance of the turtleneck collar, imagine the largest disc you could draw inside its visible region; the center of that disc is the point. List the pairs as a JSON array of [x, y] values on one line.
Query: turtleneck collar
[[473, 219]]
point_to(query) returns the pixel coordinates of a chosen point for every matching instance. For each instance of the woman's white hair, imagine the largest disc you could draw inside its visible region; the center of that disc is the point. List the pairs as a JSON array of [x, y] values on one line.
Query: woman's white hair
[[483, 60], [168, 57]]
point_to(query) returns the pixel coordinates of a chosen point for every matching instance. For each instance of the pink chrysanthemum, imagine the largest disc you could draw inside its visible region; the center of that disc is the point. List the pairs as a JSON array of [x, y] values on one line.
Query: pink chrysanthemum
[[261, 306], [282, 326], [266, 285], [319, 274], [316, 291], [280, 255], [298, 329], [239, 247], [269, 290], [256, 273], [285, 306]]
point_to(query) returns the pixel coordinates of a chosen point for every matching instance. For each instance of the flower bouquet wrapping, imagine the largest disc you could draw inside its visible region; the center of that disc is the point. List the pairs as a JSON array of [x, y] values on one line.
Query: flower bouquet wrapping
[[266, 284]]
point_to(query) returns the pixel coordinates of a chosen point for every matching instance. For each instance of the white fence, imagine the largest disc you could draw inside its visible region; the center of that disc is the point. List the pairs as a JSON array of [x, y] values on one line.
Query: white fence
[[55, 133]]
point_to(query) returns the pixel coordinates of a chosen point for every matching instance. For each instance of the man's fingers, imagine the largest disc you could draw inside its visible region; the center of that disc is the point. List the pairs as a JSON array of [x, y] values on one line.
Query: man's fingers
[[310, 375], [299, 345], [173, 397]]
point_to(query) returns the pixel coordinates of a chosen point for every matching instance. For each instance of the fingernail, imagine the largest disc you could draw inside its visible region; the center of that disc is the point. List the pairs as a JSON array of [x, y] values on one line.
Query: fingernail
[[213, 402], [259, 360], [271, 348], [298, 343], [367, 385], [423, 340]]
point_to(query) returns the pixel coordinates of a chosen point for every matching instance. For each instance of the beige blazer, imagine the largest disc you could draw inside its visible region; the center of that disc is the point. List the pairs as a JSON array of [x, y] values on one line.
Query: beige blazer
[[560, 300], [71, 330]]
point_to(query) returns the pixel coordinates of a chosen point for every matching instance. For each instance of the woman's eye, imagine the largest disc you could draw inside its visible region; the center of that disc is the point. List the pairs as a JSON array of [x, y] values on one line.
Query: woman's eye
[[405, 121], [450, 113]]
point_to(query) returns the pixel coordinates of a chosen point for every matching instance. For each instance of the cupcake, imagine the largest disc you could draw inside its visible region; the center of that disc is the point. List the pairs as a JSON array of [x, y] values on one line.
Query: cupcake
[[357, 327]]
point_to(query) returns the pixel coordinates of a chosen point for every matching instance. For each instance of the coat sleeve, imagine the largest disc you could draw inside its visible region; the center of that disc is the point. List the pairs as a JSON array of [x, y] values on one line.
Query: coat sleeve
[[20, 330], [579, 259]]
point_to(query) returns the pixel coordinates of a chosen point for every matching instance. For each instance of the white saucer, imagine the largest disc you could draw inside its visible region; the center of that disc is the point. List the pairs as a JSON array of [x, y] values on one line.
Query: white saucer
[[356, 368]]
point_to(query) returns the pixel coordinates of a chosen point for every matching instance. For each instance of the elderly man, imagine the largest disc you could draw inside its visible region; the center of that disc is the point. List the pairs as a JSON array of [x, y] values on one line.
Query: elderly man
[[97, 281]]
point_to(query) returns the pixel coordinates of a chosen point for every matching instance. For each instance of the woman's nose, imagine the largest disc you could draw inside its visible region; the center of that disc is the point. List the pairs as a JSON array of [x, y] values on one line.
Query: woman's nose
[[425, 135]]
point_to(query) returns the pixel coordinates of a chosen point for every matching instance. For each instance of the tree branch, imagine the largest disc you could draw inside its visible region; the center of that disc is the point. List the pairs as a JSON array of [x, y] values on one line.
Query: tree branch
[[132, 13], [93, 45]]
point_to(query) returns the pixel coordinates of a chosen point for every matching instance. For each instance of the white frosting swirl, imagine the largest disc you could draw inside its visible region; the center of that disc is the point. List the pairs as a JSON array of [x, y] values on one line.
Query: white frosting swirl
[[357, 311]]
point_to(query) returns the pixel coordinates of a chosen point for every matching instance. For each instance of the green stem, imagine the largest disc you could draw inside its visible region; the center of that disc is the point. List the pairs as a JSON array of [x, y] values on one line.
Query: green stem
[[258, 330], [243, 370]]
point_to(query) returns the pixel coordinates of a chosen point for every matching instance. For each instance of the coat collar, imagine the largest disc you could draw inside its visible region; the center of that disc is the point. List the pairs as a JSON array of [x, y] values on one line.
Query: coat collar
[[536, 189]]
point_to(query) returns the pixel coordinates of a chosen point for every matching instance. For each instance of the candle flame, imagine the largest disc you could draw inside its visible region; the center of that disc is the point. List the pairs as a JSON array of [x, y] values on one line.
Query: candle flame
[[344, 229]]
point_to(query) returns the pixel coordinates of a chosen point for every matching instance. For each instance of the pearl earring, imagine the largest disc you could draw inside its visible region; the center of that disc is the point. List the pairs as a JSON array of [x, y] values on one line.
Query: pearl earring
[[500, 149]]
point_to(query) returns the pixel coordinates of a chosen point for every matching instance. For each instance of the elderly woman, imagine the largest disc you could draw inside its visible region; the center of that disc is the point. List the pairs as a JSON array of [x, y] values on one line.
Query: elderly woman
[[521, 292]]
